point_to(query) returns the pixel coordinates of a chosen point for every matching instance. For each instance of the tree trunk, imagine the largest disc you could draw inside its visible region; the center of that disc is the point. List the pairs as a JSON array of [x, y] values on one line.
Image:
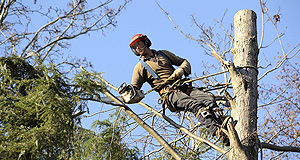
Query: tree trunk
[[244, 82]]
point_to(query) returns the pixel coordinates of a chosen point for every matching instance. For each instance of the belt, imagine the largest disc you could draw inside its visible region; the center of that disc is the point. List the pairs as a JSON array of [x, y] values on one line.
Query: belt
[[164, 90], [184, 88], [188, 90], [164, 93]]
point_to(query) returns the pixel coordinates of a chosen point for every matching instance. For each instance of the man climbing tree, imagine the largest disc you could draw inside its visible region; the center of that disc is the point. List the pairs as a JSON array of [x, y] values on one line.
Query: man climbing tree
[[156, 68]]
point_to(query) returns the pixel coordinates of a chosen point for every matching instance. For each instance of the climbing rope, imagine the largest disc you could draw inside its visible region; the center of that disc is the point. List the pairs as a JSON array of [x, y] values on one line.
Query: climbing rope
[[185, 81]]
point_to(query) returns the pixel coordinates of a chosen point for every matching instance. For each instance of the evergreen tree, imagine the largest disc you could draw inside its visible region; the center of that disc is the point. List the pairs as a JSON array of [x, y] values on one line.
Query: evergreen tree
[[35, 111], [103, 143]]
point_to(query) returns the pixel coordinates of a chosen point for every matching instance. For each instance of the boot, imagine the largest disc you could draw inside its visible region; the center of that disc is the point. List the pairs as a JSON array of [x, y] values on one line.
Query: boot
[[220, 134], [223, 137], [213, 123]]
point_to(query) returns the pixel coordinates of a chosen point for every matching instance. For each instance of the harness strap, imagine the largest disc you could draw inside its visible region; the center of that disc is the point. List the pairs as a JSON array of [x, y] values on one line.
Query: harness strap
[[165, 92], [202, 110], [164, 100], [162, 54], [150, 70], [164, 97]]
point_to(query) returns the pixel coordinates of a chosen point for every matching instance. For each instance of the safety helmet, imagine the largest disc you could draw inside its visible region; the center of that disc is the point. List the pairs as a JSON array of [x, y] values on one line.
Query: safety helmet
[[136, 38]]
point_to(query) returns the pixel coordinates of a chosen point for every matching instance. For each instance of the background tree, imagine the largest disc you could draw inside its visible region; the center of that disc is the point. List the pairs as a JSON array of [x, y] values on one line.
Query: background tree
[[105, 141], [37, 97], [280, 103], [36, 111]]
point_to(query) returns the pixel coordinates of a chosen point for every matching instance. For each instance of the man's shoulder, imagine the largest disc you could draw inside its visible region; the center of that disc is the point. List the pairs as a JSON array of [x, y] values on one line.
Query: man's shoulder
[[138, 64], [167, 53], [161, 50], [164, 51]]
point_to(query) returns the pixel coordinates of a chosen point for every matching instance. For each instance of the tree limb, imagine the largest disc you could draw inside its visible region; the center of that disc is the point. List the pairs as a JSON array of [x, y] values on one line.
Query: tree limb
[[222, 61], [280, 148], [134, 116], [221, 150]]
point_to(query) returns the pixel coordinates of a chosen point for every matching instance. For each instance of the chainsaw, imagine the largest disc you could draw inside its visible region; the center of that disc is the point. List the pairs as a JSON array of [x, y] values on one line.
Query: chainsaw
[[130, 94]]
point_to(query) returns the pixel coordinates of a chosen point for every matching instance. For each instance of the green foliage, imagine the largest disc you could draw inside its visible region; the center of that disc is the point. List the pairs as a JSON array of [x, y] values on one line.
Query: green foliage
[[88, 86], [105, 143], [36, 111], [36, 119]]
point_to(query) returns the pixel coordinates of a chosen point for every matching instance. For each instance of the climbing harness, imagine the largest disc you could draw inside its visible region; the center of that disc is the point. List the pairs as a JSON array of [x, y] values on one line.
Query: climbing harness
[[164, 95]]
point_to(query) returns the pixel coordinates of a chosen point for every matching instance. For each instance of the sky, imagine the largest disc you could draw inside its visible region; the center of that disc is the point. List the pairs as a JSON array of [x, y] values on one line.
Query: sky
[[110, 53]]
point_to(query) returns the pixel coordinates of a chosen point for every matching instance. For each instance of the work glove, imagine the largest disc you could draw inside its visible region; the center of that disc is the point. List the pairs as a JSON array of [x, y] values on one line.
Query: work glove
[[177, 74]]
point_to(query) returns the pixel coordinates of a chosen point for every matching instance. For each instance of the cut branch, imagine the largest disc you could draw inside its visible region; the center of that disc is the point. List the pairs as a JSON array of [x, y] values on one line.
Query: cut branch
[[134, 116]]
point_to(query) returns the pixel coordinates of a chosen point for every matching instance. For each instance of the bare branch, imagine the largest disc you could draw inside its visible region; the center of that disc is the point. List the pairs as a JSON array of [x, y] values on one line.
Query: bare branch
[[281, 62], [280, 148], [160, 139], [263, 8], [4, 8]]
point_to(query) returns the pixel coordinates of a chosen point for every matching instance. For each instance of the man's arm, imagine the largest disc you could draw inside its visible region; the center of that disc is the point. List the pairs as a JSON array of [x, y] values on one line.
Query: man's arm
[[184, 69], [186, 66], [178, 61], [138, 76]]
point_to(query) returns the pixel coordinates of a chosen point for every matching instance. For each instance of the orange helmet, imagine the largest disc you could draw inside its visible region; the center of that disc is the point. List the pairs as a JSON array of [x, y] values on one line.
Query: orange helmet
[[136, 38]]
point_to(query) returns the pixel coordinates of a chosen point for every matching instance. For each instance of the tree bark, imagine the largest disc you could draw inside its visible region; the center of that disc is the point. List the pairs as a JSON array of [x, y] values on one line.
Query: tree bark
[[244, 82]]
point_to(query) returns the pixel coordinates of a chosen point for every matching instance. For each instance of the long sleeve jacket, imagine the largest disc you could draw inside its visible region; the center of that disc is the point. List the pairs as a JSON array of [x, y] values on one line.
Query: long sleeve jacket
[[160, 66]]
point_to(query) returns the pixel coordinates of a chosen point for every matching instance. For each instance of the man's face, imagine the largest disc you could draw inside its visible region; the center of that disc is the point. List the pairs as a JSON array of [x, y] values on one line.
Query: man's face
[[139, 47]]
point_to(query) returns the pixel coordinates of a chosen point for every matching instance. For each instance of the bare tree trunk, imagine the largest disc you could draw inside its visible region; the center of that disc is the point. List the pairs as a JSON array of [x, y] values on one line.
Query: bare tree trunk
[[244, 82]]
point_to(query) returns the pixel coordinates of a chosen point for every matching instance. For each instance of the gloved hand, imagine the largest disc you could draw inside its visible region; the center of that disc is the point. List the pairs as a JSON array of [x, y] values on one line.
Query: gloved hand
[[177, 74]]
